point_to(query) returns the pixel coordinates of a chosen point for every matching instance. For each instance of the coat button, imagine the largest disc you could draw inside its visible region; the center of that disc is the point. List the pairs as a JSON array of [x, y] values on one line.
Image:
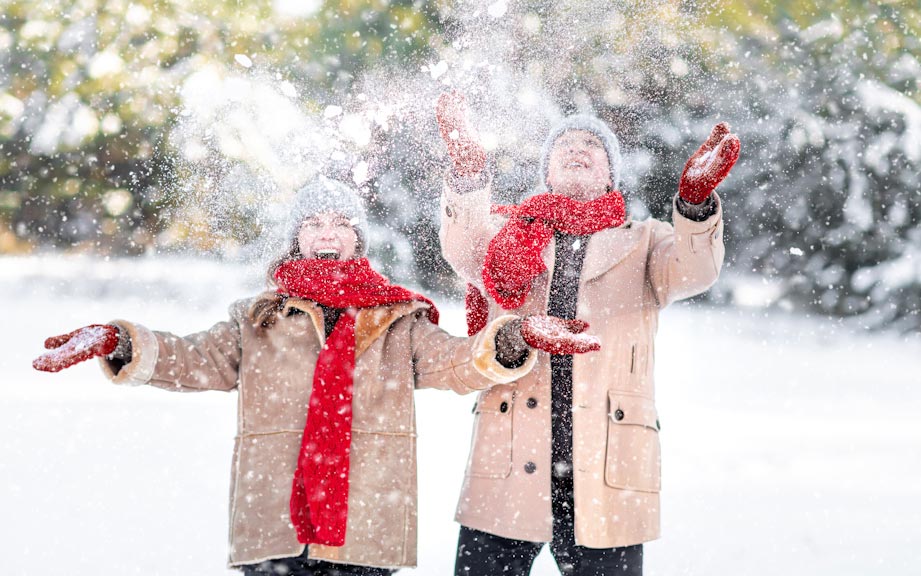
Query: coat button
[[503, 407], [532, 402], [530, 467], [448, 212], [618, 414]]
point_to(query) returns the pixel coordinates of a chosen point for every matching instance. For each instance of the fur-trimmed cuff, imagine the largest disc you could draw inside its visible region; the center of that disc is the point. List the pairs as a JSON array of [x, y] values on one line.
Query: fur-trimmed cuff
[[144, 352], [484, 354]]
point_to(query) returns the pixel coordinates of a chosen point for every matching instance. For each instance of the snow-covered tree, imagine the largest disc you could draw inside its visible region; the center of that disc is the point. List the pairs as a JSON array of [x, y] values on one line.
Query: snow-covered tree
[[831, 201]]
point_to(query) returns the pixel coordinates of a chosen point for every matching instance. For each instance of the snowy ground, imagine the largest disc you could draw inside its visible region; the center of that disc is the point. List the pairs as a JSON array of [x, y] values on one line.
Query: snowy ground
[[790, 446]]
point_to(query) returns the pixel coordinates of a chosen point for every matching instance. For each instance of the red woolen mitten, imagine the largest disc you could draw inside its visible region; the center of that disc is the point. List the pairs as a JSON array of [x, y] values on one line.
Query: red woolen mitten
[[467, 154], [81, 344], [477, 308], [558, 336], [707, 167]]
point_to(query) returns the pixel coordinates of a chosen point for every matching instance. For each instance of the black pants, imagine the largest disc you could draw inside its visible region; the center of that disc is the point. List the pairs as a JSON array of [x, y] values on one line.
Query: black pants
[[483, 554], [302, 566]]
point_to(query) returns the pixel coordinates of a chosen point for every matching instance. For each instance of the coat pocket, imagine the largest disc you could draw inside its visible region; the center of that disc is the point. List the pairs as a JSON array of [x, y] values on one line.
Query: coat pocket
[[491, 448], [633, 457]]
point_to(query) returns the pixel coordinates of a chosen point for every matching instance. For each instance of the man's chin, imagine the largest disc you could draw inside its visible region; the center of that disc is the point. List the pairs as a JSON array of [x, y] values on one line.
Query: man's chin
[[578, 190]]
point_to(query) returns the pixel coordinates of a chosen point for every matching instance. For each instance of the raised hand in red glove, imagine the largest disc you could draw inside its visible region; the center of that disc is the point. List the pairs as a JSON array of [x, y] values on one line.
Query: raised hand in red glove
[[81, 344], [709, 165], [558, 336], [467, 154]]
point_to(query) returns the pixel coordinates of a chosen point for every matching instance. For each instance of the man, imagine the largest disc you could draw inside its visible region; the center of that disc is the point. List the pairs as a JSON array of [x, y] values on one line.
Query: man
[[569, 454]]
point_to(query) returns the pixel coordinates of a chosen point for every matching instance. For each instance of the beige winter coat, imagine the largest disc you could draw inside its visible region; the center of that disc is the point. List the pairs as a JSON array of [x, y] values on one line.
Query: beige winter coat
[[397, 350], [629, 274]]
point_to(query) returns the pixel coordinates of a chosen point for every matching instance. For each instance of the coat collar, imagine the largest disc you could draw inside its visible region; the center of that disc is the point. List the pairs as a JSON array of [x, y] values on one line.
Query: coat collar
[[609, 247], [370, 323]]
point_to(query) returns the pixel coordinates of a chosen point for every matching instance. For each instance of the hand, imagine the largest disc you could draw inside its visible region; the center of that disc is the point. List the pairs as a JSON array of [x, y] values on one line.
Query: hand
[[467, 154], [77, 346], [558, 336], [709, 165]]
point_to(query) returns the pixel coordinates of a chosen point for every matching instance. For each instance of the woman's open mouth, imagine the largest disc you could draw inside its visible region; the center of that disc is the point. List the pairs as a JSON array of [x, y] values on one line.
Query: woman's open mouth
[[326, 254]]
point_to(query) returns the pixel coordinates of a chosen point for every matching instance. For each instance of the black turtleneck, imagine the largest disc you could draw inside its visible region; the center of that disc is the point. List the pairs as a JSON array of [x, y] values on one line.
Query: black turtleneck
[[564, 296], [330, 317]]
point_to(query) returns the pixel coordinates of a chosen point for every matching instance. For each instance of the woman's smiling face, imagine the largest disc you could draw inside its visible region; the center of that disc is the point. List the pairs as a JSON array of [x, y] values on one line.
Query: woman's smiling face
[[327, 236]]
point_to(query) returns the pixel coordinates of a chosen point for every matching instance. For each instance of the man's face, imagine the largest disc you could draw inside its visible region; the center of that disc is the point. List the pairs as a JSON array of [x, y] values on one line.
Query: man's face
[[578, 165], [327, 236]]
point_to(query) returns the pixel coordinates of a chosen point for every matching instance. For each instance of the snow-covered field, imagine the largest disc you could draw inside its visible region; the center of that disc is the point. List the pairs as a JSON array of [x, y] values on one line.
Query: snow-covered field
[[790, 446]]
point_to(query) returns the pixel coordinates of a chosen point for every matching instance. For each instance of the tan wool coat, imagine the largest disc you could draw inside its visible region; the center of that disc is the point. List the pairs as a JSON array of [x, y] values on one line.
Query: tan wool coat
[[397, 350], [629, 274]]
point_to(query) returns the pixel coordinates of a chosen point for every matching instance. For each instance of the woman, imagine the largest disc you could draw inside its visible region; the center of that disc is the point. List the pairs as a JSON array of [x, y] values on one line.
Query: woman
[[324, 472]]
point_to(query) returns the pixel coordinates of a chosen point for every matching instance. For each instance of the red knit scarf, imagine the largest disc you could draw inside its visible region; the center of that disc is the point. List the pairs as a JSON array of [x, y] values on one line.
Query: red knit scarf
[[513, 257], [320, 490]]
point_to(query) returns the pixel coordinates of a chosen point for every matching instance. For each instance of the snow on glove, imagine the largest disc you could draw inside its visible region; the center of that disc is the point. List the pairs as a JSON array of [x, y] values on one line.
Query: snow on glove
[[81, 344], [707, 167], [467, 154], [558, 336]]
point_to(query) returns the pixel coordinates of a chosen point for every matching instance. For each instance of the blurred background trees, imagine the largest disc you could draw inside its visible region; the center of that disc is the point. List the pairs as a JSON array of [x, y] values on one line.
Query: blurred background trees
[[136, 127]]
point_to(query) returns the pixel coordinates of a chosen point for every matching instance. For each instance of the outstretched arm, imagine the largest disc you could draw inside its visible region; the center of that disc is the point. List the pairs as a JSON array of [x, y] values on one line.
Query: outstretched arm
[[686, 259], [503, 352], [132, 354], [466, 223]]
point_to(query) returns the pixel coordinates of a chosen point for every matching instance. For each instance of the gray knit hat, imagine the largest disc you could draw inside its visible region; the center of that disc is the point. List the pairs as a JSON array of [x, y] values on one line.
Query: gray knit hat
[[323, 195], [590, 124]]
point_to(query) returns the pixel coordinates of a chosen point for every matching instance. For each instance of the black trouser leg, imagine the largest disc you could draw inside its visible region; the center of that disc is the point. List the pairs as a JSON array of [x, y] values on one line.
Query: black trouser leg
[[483, 554], [576, 560], [301, 566], [581, 561]]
